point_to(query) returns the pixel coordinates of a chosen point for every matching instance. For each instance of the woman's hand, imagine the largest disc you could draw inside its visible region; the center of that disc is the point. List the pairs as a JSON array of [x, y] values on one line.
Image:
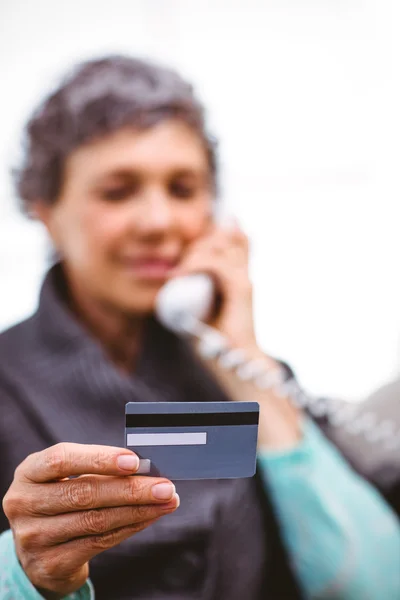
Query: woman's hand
[[59, 524], [224, 254]]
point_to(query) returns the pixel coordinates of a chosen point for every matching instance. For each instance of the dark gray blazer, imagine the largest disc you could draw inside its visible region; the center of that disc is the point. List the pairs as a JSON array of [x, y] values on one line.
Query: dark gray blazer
[[56, 385]]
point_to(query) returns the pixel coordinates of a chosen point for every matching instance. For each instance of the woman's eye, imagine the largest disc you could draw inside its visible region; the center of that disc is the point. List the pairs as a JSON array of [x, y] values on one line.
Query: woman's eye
[[119, 193], [181, 189]]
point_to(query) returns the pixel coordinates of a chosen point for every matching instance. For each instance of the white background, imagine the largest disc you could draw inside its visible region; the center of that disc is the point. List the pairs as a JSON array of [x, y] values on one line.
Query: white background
[[304, 96]]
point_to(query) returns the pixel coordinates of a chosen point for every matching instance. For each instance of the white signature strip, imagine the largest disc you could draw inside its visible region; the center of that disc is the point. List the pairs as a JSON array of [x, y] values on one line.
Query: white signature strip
[[167, 439]]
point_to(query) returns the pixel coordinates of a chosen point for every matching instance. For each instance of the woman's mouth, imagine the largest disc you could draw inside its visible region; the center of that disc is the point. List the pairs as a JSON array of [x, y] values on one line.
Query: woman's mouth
[[150, 268]]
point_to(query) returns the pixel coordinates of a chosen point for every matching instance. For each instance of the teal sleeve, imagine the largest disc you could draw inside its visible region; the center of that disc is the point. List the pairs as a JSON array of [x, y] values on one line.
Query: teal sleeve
[[342, 537], [15, 585]]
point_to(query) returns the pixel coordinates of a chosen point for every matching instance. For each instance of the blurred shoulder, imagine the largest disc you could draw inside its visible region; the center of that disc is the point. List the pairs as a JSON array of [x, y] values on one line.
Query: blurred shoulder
[[15, 339], [375, 459], [386, 400], [18, 344]]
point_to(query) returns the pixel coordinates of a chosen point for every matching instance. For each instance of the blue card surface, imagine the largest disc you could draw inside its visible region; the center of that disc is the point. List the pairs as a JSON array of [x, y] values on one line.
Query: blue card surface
[[193, 440]]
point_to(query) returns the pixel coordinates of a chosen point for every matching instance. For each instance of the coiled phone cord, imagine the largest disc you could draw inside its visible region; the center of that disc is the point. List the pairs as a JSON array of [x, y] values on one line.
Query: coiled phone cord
[[212, 345]]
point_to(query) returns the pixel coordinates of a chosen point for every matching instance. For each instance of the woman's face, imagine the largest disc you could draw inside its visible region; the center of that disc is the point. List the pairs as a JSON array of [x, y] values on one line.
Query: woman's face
[[130, 205]]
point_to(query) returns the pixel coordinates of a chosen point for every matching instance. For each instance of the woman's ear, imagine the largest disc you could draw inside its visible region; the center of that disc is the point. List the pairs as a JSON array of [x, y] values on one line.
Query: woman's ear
[[41, 210], [45, 212]]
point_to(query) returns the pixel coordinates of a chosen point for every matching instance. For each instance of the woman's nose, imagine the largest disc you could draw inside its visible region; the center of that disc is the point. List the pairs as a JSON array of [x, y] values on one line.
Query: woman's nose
[[156, 215]]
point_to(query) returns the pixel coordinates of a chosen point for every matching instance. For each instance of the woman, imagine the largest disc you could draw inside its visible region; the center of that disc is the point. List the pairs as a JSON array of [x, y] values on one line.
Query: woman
[[121, 171]]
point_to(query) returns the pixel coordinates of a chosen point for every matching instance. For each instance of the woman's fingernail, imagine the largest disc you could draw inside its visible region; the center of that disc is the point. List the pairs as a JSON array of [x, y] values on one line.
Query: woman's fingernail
[[174, 503], [128, 462], [163, 491]]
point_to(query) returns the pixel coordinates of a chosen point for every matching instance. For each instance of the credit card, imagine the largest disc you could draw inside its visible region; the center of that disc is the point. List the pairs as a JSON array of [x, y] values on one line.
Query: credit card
[[193, 440]]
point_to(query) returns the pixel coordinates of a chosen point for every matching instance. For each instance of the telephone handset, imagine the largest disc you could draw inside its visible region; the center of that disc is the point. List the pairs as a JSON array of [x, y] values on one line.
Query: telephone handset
[[188, 297], [184, 304]]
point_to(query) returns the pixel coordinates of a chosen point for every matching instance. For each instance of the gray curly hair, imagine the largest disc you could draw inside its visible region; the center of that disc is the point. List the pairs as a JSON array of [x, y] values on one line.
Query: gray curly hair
[[95, 99]]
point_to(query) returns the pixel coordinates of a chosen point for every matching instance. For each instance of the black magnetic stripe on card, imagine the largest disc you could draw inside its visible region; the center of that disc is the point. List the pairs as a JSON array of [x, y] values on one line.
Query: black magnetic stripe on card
[[192, 419]]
